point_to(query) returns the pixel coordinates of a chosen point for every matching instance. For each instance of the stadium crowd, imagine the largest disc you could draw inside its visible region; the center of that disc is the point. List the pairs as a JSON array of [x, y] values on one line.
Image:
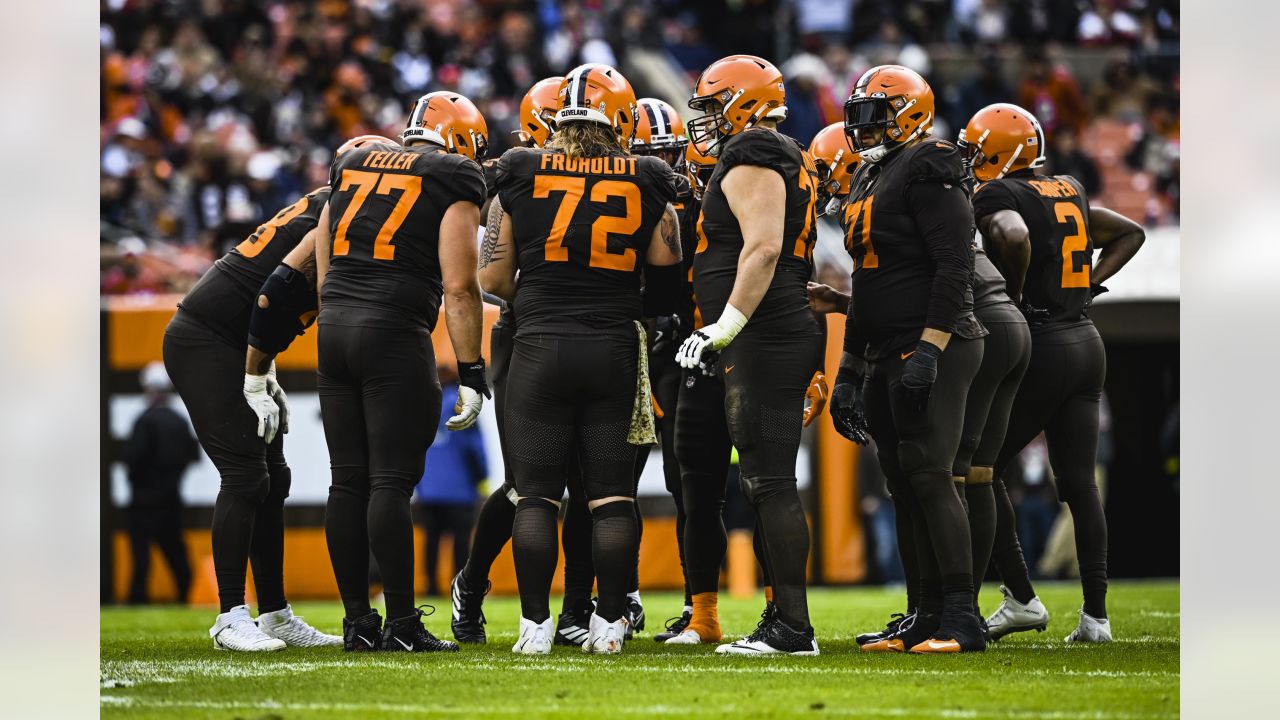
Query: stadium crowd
[[216, 112]]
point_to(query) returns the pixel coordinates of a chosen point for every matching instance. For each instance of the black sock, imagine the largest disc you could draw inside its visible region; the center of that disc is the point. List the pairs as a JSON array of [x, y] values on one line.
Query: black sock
[[684, 570], [930, 581], [615, 546], [346, 530], [493, 530], [232, 536], [635, 573], [1091, 548], [705, 539], [391, 539], [957, 596], [786, 532], [982, 529], [579, 568], [761, 549], [266, 553], [533, 546], [904, 526], [1006, 551]]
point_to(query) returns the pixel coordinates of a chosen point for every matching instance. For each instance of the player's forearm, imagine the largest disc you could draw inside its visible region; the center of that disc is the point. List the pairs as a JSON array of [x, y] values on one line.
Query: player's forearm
[[1116, 254], [257, 362], [464, 319], [756, 265]]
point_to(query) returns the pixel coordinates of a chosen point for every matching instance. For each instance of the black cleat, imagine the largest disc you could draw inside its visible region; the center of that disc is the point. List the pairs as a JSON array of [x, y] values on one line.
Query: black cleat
[[408, 635], [773, 637], [572, 627], [958, 633], [890, 628], [634, 613], [364, 634], [913, 630], [468, 615], [675, 626]]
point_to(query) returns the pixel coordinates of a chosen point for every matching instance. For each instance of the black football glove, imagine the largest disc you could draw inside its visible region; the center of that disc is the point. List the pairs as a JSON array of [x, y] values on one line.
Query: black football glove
[[918, 374], [848, 412], [1095, 290], [1033, 314], [472, 375], [666, 329]]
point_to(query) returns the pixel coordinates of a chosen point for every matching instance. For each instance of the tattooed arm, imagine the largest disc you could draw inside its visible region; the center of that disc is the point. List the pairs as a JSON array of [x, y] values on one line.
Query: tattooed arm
[[664, 245], [497, 255]]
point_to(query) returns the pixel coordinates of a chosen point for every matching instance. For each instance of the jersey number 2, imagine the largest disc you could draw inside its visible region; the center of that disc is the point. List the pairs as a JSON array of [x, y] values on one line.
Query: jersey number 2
[[573, 189], [366, 182], [1077, 242]]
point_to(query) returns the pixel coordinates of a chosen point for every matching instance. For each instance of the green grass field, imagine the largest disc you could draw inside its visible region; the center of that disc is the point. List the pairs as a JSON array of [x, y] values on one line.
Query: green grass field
[[160, 663]]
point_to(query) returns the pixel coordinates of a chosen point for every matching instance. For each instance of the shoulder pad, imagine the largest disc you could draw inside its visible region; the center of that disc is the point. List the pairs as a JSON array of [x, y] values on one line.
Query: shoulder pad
[[933, 159], [762, 147]]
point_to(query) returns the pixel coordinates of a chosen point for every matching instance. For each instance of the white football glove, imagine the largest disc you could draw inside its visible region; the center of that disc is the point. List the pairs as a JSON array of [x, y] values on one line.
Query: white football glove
[[711, 338], [467, 409], [277, 393], [260, 402]]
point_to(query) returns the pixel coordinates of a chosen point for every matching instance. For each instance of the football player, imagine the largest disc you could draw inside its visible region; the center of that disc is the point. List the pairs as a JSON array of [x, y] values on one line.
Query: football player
[[582, 219], [912, 343], [1042, 233], [399, 233], [204, 353], [755, 241], [836, 163], [660, 133]]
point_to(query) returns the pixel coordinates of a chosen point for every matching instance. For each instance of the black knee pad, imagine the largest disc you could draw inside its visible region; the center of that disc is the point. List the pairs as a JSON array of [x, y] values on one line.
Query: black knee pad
[[758, 489], [281, 482], [253, 487], [617, 508], [538, 503], [350, 481]]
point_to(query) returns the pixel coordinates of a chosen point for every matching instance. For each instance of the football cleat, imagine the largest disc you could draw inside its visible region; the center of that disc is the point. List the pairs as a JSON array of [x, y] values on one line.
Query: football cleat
[[959, 633], [913, 630], [605, 637], [572, 627], [535, 638], [688, 636], [468, 615], [1090, 630], [364, 634], [675, 626], [407, 634], [773, 637], [890, 628], [235, 630], [634, 612], [1013, 616], [293, 630]]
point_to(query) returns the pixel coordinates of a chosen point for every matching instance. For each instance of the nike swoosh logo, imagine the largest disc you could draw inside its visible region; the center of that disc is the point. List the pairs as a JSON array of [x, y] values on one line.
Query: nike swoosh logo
[[729, 368], [904, 356], [934, 645], [404, 645], [365, 640]]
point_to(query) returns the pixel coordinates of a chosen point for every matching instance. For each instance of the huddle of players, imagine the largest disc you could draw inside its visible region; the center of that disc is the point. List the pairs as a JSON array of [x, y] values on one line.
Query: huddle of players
[[955, 360], [581, 387]]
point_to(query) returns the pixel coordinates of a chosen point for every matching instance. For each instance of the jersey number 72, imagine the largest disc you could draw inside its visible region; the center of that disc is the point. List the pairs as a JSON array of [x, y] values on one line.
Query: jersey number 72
[[573, 189]]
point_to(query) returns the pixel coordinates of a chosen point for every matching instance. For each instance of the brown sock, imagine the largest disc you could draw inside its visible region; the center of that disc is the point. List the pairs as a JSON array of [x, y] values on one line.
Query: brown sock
[[706, 619], [768, 593]]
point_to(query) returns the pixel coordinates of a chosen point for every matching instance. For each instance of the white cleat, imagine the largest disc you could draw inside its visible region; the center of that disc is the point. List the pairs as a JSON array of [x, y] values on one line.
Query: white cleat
[[1013, 616], [605, 637], [688, 636], [1090, 630], [535, 638], [294, 631], [235, 630]]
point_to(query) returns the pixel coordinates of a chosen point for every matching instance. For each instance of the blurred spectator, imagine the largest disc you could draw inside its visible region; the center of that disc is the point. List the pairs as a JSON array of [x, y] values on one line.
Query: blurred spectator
[[157, 454], [450, 485], [878, 516], [1051, 93], [811, 101], [984, 88], [1157, 150], [1030, 487], [1066, 158], [1123, 93]]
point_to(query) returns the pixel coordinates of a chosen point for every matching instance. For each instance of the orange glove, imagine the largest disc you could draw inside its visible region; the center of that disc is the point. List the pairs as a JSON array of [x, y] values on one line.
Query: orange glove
[[816, 396]]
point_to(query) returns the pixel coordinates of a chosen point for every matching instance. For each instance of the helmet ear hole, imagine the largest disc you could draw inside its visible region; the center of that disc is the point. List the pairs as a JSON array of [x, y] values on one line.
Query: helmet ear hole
[[749, 104]]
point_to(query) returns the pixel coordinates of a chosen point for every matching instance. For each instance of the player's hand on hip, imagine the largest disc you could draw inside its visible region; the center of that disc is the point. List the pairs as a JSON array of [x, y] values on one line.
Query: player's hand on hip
[[466, 410], [711, 338], [262, 405], [848, 412], [918, 374], [277, 393]]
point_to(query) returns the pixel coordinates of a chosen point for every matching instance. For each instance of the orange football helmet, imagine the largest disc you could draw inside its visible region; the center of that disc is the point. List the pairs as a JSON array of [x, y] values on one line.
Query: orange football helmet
[[660, 132], [538, 112], [733, 94], [890, 106], [698, 167], [1001, 139], [359, 142], [599, 94], [836, 162], [450, 121]]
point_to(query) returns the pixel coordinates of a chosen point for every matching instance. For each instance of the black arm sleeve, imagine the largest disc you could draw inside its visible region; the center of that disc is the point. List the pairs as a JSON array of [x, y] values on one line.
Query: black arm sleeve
[[855, 347], [945, 221], [290, 310], [661, 289]]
